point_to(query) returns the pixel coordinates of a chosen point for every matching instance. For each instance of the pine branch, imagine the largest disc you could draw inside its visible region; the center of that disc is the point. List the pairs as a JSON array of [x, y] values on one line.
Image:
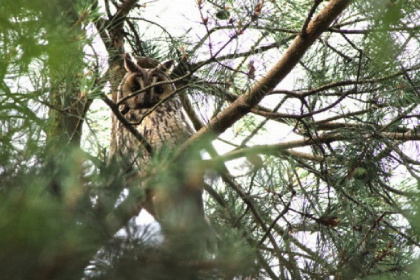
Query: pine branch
[[265, 85], [126, 123], [282, 148]]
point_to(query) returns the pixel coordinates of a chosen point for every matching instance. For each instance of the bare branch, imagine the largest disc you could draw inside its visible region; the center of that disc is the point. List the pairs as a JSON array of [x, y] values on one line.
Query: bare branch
[[254, 95]]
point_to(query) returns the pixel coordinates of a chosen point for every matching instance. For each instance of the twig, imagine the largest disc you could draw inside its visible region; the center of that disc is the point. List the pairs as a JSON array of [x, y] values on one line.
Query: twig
[[126, 123], [266, 84], [125, 98]]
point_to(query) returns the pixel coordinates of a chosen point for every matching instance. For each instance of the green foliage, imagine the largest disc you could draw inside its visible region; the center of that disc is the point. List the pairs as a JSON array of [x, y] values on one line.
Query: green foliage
[[336, 196], [39, 227]]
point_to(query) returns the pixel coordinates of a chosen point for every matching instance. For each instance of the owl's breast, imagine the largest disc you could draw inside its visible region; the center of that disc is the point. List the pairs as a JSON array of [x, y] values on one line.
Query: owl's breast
[[167, 129]]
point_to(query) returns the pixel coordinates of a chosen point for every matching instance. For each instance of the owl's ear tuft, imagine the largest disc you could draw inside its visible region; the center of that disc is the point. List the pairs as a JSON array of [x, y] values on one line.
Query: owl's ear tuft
[[167, 67], [129, 64]]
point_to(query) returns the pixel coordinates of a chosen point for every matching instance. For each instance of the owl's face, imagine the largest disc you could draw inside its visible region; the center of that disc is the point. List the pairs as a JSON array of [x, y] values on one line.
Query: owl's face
[[139, 79]]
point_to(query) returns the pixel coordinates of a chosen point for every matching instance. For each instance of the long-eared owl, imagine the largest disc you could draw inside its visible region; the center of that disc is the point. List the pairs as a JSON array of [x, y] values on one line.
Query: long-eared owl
[[156, 112]]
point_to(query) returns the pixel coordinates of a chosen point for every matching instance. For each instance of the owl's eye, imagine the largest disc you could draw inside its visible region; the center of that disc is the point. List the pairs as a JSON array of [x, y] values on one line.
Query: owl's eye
[[135, 88], [159, 89], [124, 109]]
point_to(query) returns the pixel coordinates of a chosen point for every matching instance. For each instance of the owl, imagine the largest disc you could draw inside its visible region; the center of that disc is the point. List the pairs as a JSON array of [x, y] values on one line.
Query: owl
[[152, 107]]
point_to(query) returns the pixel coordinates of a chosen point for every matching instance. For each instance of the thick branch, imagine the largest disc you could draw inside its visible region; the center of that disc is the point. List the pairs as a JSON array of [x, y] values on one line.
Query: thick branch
[[283, 148], [265, 85]]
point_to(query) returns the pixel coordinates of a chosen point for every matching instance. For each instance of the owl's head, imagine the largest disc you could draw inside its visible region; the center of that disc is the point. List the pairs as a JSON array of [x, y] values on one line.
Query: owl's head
[[140, 78]]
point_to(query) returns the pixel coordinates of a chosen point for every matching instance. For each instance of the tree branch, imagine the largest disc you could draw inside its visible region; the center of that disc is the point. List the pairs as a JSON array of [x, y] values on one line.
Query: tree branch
[[281, 148], [265, 85], [127, 125]]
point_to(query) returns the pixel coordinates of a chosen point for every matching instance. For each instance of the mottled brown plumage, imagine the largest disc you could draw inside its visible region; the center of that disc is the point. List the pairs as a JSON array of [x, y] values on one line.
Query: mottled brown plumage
[[176, 196], [164, 126]]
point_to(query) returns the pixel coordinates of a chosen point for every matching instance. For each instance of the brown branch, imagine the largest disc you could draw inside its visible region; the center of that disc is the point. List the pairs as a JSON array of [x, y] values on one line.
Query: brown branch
[[343, 116], [243, 54], [265, 85], [151, 110], [340, 125], [101, 25], [337, 29], [412, 135], [125, 98], [127, 6], [126, 123], [309, 17], [296, 94], [281, 148], [275, 149], [274, 222], [304, 115]]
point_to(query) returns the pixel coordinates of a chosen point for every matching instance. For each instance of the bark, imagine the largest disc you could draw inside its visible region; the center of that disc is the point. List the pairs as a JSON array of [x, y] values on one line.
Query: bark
[[68, 105], [274, 76], [114, 33]]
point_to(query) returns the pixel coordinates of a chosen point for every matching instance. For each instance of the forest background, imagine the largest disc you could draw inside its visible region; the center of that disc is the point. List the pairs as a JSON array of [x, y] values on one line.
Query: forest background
[[312, 109]]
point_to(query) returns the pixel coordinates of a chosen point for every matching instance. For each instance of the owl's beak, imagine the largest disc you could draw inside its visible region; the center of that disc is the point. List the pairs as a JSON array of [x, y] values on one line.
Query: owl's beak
[[146, 100]]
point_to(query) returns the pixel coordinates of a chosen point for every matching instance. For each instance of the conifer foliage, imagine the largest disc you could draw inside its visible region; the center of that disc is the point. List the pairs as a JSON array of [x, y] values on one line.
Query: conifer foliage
[[308, 130]]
